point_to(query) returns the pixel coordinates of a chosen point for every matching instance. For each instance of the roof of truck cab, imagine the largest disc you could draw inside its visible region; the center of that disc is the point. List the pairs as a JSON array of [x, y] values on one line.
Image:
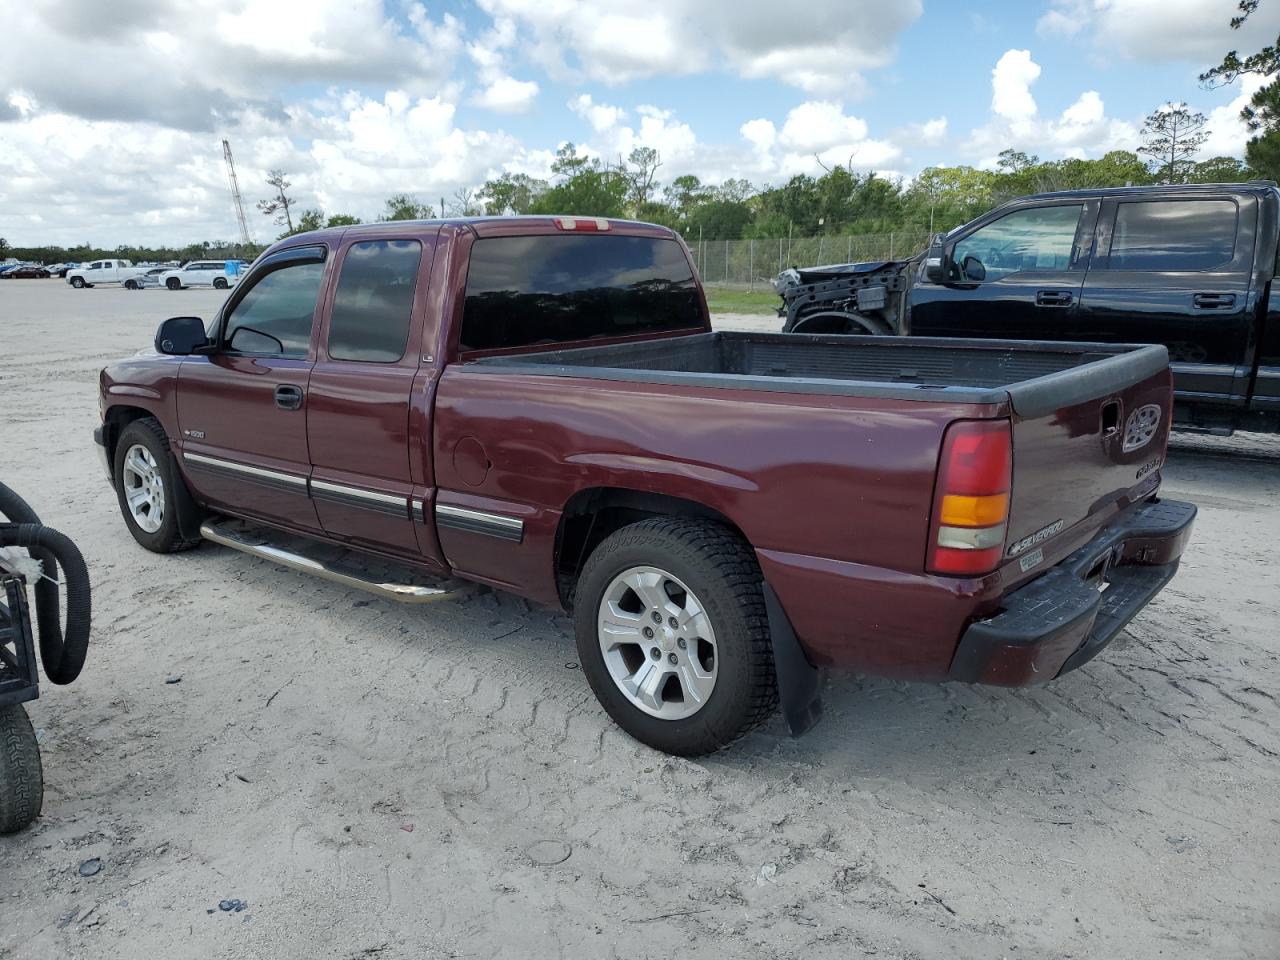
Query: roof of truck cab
[[1189, 189], [481, 226]]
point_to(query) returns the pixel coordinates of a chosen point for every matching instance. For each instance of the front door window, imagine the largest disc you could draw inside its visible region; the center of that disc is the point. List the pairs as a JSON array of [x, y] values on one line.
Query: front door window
[[1038, 238], [274, 318]]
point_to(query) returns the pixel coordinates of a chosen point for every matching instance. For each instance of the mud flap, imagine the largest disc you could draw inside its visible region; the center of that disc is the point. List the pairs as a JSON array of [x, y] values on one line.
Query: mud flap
[[799, 681]]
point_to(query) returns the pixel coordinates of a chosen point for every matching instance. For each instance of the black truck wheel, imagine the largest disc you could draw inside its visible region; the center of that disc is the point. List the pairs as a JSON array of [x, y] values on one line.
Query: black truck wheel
[[154, 500], [673, 636], [21, 777]]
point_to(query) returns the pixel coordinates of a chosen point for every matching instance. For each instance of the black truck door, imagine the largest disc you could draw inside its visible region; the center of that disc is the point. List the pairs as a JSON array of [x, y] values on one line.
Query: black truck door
[[1177, 272], [1017, 276]]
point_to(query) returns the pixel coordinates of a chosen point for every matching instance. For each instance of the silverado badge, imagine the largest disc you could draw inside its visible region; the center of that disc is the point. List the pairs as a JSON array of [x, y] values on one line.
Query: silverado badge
[[1040, 536]]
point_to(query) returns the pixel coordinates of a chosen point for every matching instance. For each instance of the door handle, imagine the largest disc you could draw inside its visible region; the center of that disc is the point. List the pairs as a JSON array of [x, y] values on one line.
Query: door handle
[[1053, 298], [1213, 301], [288, 397]]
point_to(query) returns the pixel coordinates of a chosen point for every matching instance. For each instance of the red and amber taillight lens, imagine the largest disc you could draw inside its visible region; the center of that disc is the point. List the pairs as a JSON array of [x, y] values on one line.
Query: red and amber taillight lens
[[971, 502]]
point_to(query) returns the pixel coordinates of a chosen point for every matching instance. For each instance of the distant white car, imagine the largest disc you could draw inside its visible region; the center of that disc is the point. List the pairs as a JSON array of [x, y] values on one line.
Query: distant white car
[[101, 272], [152, 278], [199, 273]]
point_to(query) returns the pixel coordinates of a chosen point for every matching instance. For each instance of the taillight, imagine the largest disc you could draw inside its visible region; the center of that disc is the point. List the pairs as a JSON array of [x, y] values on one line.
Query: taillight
[[971, 502], [582, 224]]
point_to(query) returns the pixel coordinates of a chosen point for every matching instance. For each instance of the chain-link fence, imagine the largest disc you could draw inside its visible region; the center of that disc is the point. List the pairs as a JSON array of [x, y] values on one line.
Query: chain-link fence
[[750, 263]]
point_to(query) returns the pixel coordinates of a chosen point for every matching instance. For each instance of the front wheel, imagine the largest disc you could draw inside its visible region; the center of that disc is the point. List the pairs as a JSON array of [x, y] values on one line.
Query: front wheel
[[673, 636], [78, 282], [150, 489], [173, 283], [21, 777]]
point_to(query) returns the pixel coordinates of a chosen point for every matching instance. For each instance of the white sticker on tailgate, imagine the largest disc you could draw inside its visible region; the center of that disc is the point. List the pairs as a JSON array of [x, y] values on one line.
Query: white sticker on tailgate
[[1034, 558]]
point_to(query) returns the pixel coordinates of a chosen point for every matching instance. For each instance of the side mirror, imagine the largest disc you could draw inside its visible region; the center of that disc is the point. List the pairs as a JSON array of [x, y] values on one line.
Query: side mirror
[[973, 269], [937, 266], [181, 336]]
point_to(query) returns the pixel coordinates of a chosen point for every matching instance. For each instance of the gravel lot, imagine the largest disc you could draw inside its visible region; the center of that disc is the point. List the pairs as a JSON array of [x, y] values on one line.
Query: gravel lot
[[398, 782]]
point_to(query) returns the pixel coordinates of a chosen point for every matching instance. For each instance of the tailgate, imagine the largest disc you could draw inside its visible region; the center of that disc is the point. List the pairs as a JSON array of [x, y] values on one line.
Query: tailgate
[[1087, 443]]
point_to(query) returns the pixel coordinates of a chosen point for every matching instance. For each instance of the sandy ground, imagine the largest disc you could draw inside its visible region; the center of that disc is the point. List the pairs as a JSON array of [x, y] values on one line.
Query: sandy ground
[[398, 782]]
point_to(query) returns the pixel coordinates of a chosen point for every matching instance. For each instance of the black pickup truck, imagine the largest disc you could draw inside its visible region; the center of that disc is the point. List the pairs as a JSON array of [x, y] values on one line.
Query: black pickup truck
[[1190, 267]]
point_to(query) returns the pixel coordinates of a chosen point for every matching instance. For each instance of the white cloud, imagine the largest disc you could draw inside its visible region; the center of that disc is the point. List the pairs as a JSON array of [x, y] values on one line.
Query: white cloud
[[1193, 31], [615, 137], [506, 94], [1227, 132], [611, 42], [601, 116], [501, 92], [193, 65], [815, 134], [1011, 82], [1083, 129]]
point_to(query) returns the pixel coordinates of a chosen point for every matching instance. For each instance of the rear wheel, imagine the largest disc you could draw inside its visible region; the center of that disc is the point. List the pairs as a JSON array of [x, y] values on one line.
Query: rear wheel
[[219, 283], [173, 283], [131, 284], [151, 491], [21, 777], [673, 636], [78, 282]]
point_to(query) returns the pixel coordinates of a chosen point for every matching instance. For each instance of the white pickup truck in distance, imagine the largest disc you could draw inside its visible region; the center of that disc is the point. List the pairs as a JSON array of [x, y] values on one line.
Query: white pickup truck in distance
[[99, 272]]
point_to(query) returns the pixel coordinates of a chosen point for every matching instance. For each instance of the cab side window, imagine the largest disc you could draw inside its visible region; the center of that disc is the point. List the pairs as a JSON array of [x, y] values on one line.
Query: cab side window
[[373, 304], [1037, 238], [1173, 235], [274, 318]]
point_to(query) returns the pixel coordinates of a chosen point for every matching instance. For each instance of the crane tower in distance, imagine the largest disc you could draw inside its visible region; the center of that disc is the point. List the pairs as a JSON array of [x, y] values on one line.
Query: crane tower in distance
[[235, 193]]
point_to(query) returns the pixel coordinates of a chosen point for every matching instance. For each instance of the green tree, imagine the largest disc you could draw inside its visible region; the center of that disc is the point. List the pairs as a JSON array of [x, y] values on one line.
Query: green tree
[[1220, 170], [586, 188], [277, 207], [641, 174], [1171, 136], [684, 193], [4, 247], [342, 220], [312, 219], [511, 193], [401, 206], [1262, 113], [1263, 155]]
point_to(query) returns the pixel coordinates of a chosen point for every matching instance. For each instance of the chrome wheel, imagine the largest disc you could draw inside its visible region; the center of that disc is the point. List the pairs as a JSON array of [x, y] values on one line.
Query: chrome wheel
[[658, 643], [143, 488]]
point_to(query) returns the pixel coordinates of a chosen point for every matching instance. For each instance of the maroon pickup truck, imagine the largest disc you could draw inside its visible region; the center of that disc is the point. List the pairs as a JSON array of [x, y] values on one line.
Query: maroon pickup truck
[[540, 404]]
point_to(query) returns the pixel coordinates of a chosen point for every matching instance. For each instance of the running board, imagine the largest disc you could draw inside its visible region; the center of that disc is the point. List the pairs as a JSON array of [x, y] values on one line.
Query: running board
[[333, 563]]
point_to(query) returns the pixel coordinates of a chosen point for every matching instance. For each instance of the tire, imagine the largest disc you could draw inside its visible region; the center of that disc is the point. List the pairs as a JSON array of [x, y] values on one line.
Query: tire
[[173, 283], [219, 283], [131, 284], [21, 776], [719, 570], [78, 283], [175, 509]]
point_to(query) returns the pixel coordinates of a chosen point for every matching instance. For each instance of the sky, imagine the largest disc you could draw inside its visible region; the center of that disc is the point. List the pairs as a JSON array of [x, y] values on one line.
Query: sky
[[112, 115]]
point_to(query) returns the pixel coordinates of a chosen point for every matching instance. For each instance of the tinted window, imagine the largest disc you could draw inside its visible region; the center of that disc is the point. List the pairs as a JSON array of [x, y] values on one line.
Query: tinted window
[[275, 315], [1173, 235], [374, 299], [1039, 238], [551, 289]]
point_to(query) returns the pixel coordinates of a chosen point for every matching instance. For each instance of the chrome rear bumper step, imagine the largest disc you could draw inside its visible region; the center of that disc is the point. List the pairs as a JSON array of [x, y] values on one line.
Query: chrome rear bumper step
[[389, 580]]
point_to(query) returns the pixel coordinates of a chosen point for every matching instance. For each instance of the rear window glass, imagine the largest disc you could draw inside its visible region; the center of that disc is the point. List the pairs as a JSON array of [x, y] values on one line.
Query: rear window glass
[[552, 289], [1173, 235], [374, 301]]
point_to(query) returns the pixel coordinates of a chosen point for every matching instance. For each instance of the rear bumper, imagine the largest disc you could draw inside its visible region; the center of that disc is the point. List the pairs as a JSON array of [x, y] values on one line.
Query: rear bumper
[[1066, 617]]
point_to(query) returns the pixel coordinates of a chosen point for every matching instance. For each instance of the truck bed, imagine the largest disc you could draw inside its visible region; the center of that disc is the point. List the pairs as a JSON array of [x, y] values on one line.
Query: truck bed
[[1037, 377]]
